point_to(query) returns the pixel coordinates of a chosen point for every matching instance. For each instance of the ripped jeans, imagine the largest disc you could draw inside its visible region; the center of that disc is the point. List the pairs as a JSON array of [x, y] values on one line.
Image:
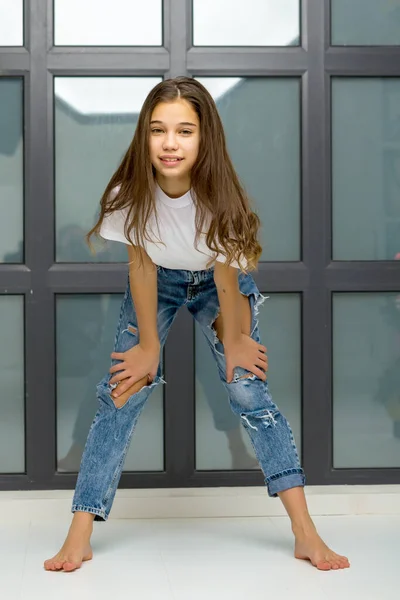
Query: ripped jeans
[[249, 397]]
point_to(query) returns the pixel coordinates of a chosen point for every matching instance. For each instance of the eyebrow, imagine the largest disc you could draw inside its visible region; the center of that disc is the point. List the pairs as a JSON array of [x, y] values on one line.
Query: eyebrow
[[183, 123]]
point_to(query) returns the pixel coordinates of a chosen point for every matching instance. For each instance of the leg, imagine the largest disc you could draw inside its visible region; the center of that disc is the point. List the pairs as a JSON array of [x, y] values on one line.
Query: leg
[[77, 548], [269, 432], [108, 440], [308, 544]]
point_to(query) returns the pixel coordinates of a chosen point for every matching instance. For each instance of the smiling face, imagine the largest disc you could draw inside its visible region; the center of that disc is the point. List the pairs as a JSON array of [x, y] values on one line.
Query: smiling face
[[174, 144]]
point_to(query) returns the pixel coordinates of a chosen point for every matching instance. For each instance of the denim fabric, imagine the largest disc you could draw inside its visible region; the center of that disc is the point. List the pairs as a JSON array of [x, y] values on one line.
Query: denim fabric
[[249, 397]]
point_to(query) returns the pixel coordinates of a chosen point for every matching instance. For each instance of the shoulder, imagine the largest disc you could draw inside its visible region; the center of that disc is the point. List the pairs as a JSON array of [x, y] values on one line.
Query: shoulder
[[114, 192]]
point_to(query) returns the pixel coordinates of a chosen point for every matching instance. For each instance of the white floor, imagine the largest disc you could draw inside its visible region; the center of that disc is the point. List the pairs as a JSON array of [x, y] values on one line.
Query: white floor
[[191, 559]]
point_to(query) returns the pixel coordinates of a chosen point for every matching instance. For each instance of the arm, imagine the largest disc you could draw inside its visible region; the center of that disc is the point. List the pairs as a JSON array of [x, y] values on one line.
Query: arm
[[143, 284], [227, 284], [141, 361], [239, 348]]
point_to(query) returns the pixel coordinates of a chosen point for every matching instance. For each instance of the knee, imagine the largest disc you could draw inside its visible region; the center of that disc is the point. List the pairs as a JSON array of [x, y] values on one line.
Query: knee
[[123, 398]]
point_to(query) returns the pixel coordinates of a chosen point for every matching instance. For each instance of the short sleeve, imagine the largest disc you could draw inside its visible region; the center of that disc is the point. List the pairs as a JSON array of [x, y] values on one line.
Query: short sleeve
[[113, 227], [222, 258]]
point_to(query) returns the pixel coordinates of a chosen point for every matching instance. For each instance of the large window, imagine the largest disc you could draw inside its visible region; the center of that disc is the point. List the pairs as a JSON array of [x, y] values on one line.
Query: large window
[[99, 23], [11, 23], [11, 170]]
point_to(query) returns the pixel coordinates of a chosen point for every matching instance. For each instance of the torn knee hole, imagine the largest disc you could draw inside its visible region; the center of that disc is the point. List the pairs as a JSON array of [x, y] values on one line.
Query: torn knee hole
[[131, 329], [138, 387], [213, 328], [245, 377], [266, 417]]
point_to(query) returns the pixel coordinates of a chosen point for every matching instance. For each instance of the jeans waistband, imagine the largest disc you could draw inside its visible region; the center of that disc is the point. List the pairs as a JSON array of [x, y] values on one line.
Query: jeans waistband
[[187, 276]]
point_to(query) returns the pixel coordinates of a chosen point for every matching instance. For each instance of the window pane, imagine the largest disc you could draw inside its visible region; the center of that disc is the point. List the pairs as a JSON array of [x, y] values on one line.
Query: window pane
[[95, 119], [366, 379], [12, 401], [251, 23], [366, 168], [11, 23], [86, 327], [11, 170], [101, 23], [266, 153], [365, 22], [220, 441]]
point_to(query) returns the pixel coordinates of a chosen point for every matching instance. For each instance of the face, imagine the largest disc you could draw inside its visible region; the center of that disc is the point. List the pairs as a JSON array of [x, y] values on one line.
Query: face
[[174, 140]]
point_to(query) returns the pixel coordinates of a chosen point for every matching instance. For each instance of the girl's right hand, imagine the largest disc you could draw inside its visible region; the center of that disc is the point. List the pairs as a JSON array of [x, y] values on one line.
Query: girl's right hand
[[136, 363]]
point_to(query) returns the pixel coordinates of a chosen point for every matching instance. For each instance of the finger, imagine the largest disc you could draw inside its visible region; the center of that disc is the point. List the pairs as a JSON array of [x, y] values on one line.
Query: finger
[[124, 386], [119, 377], [118, 367], [260, 374], [263, 349], [262, 365], [118, 355], [262, 357]]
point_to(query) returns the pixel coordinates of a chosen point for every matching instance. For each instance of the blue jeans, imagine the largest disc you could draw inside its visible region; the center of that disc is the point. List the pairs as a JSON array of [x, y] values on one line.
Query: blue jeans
[[112, 428]]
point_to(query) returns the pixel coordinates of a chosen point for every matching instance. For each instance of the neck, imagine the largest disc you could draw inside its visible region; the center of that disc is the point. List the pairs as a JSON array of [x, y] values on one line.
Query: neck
[[174, 188]]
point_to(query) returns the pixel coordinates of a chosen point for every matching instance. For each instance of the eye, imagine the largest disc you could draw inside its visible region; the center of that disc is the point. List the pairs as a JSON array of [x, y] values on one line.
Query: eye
[[186, 131], [156, 130]]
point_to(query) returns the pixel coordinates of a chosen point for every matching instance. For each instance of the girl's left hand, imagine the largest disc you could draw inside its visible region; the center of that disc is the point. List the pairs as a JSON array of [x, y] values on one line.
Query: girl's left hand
[[248, 354]]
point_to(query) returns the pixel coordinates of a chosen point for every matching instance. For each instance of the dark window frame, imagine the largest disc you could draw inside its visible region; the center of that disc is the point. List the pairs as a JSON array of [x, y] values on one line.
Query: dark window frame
[[315, 277]]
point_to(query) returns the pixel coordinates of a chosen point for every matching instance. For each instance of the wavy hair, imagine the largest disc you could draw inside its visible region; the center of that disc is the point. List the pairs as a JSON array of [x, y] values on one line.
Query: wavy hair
[[222, 205]]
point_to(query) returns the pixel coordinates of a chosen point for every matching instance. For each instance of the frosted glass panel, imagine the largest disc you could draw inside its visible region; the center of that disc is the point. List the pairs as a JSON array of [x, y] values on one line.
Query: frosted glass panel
[[366, 168], [261, 117], [86, 326], [11, 170], [365, 22], [11, 23], [221, 441], [251, 23], [12, 401], [105, 23], [95, 120], [366, 380]]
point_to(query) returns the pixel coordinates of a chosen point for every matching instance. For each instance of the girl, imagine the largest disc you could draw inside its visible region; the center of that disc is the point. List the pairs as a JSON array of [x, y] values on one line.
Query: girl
[[177, 203]]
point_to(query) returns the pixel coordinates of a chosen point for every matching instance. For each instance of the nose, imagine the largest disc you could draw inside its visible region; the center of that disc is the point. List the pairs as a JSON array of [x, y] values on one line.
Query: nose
[[170, 142]]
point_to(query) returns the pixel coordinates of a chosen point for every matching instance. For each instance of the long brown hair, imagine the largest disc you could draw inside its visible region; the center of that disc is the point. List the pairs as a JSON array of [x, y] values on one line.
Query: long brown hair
[[219, 197]]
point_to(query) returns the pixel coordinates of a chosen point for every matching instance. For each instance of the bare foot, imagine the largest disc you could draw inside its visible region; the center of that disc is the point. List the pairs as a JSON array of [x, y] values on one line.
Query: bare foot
[[309, 546], [76, 548]]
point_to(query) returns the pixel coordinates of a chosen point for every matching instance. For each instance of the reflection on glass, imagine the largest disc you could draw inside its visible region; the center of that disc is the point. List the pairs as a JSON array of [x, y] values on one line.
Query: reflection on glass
[[366, 22], [221, 442], [101, 23], [251, 23], [265, 150], [11, 23], [95, 120], [86, 327], [366, 168], [12, 415], [366, 379], [11, 170]]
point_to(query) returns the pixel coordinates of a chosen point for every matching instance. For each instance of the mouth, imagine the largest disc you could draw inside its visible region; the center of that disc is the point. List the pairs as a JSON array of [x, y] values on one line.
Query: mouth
[[170, 160]]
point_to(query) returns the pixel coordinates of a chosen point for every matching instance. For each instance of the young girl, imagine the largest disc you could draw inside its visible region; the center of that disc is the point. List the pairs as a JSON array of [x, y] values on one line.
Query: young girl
[[177, 203]]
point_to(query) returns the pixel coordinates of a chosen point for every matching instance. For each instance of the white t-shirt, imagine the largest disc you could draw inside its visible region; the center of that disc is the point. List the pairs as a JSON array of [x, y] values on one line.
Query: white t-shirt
[[176, 228]]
